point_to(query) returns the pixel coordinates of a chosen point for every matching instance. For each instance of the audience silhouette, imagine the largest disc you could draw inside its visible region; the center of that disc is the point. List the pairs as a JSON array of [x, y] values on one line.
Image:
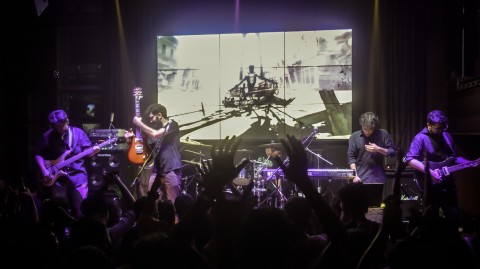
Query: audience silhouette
[[219, 229]]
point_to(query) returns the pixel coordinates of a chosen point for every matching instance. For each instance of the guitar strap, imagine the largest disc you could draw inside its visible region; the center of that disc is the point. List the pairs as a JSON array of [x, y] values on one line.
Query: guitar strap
[[444, 150], [448, 140], [70, 137]]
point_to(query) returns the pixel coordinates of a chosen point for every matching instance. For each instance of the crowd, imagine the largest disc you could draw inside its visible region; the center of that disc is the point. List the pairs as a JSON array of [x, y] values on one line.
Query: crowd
[[218, 229]]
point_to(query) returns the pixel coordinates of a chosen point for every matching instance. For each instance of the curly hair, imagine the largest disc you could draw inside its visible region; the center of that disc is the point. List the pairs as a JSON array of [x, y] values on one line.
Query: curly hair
[[155, 109], [369, 120]]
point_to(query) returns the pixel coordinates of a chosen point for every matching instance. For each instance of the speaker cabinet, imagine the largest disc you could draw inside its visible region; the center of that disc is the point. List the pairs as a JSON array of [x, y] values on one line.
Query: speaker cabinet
[[107, 161], [408, 187], [410, 193]]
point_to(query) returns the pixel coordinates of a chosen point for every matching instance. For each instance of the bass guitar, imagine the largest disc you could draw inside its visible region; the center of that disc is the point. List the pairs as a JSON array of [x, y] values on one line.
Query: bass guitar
[[137, 152], [55, 166], [445, 170]]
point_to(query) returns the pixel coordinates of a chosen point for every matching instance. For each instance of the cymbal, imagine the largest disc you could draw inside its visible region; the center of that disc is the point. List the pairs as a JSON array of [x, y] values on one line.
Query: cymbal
[[244, 151], [191, 142], [241, 181], [194, 152], [190, 162], [271, 145]]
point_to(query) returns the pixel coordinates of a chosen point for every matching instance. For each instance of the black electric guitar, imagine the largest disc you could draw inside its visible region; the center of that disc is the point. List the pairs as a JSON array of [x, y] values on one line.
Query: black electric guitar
[[444, 169], [55, 166]]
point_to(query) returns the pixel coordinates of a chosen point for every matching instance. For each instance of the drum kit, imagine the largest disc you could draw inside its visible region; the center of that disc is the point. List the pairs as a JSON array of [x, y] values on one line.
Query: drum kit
[[267, 187]]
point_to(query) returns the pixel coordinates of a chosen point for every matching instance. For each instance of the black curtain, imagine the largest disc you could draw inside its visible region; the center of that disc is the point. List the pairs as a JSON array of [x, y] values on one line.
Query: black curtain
[[132, 55], [402, 69]]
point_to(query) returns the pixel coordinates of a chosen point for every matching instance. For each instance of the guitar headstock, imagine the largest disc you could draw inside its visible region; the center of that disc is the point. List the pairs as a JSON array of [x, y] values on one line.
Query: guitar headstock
[[137, 92], [476, 163]]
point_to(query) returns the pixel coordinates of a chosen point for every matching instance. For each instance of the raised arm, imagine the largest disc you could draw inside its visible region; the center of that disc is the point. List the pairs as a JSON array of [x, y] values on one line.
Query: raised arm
[[297, 172], [215, 175]]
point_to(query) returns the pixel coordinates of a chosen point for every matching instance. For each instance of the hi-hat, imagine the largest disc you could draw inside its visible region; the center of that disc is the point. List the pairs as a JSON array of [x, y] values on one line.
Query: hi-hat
[[244, 151], [271, 145], [191, 142]]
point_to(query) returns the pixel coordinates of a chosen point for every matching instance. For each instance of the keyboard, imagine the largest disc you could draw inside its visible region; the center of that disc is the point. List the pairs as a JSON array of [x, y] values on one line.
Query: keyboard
[[327, 173]]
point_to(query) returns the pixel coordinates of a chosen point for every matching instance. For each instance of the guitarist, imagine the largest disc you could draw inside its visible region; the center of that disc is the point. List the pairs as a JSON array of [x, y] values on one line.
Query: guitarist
[[163, 135], [436, 145], [68, 186]]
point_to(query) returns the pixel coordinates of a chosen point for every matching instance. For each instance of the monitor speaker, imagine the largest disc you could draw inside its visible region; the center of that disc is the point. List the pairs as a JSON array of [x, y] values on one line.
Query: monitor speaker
[[107, 161]]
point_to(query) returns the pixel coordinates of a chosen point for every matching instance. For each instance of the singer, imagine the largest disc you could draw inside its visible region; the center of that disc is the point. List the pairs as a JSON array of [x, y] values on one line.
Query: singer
[[367, 149], [164, 140]]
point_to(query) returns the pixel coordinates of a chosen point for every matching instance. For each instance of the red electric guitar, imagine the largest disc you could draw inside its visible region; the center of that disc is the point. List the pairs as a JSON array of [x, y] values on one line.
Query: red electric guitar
[[137, 151]]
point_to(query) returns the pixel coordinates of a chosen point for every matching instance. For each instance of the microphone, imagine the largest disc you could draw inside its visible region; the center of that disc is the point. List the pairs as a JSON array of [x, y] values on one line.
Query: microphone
[[203, 109], [112, 115], [242, 161]]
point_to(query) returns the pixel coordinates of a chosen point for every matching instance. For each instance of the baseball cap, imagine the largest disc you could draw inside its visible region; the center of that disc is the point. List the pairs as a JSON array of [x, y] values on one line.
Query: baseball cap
[[57, 117]]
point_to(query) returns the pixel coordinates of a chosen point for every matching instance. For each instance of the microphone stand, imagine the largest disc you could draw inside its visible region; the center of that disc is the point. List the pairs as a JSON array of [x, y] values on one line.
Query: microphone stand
[[318, 156], [200, 110], [112, 115]]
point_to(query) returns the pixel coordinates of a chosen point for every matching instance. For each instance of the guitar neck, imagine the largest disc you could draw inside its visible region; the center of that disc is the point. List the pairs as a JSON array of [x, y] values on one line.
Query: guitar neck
[[61, 165], [461, 166], [138, 114], [82, 154]]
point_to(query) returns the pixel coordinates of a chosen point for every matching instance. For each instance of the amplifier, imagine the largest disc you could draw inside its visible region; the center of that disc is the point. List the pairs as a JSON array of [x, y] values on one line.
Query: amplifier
[[107, 133], [98, 136], [106, 161]]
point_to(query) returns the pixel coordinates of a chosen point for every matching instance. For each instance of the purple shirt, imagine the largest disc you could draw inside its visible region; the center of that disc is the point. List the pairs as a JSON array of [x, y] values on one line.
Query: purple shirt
[[53, 145], [436, 147]]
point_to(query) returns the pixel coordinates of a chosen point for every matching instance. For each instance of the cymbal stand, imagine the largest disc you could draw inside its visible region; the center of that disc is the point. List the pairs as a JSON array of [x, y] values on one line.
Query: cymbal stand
[[277, 186], [186, 181], [318, 156], [197, 187], [259, 186]]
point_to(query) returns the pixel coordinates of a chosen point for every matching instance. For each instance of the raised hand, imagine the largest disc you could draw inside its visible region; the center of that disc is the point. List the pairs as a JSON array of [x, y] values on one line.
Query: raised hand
[[297, 172], [221, 169], [297, 168]]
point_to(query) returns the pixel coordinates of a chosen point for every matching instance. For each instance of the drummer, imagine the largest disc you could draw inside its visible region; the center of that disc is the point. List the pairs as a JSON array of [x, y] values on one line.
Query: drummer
[[273, 151]]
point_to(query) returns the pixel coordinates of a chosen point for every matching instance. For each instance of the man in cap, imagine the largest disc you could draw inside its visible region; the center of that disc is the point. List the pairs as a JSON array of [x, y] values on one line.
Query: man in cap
[[57, 147]]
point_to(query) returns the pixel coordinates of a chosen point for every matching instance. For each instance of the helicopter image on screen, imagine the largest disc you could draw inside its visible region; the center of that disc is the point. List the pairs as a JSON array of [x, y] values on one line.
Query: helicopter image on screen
[[254, 90]]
